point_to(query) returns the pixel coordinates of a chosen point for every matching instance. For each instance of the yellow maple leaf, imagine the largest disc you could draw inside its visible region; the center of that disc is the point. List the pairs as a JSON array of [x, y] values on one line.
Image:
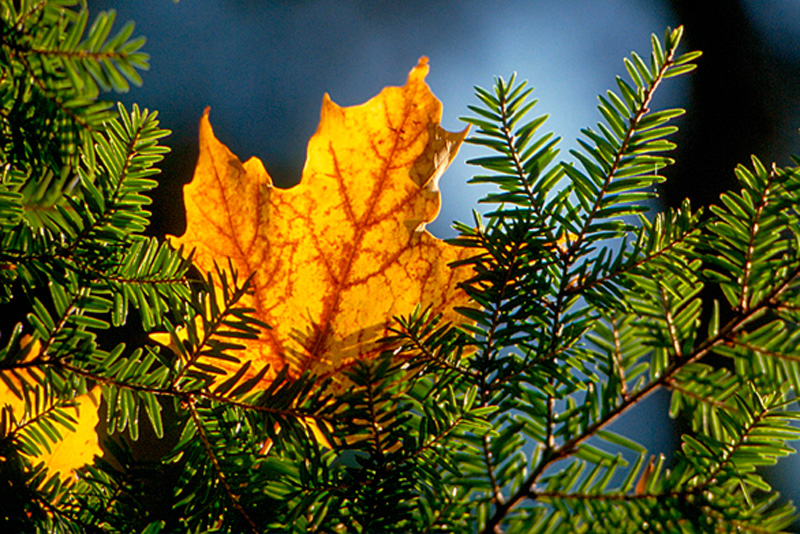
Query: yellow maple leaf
[[77, 447], [337, 256]]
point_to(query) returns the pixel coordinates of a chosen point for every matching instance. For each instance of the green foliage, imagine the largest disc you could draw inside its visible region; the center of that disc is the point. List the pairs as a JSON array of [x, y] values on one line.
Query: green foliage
[[53, 70], [587, 305]]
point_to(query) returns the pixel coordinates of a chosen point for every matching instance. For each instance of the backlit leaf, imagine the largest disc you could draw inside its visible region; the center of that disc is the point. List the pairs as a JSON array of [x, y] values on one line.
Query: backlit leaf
[[76, 447], [337, 256]]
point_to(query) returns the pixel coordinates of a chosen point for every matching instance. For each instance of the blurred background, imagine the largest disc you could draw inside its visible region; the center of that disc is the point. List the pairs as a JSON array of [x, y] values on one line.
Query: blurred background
[[263, 67]]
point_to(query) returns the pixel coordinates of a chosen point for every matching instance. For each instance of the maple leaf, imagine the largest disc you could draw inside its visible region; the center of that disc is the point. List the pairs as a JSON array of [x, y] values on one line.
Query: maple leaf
[[335, 257], [77, 447]]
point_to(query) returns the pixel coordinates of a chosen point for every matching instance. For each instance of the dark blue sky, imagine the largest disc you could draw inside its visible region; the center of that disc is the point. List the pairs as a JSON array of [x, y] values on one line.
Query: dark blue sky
[[264, 66]]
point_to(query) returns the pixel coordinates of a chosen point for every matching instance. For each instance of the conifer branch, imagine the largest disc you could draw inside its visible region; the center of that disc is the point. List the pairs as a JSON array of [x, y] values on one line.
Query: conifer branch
[[568, 446], [578, 314], [233, 497], [642, 110]]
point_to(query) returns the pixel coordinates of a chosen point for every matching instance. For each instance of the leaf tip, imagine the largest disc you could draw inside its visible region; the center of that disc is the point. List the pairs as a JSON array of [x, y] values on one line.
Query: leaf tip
[[421, 70], [205, 123]]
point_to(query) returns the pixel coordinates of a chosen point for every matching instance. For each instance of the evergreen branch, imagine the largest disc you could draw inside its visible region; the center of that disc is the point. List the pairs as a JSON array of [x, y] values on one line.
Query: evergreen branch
[[375, 408], [568, 446], [426, 345], [73, 54], [507, 115], [504, 279], [608, 497], [233, 497], [187, 396], [440, 515], [35, 9], [749, 252], [143, 131], [210, 325], [748, 246], [761, 350], [616, 358], [69, 309], [669, 320], [737, 526], [439, 438], [550, 440], [519, 170], [675, 385], [53, 97], [497, 491], [566, 331], [665, 499], [671, 251], [150, 279], [506, 129], [729, 450], [614, 167], [50, 412]]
